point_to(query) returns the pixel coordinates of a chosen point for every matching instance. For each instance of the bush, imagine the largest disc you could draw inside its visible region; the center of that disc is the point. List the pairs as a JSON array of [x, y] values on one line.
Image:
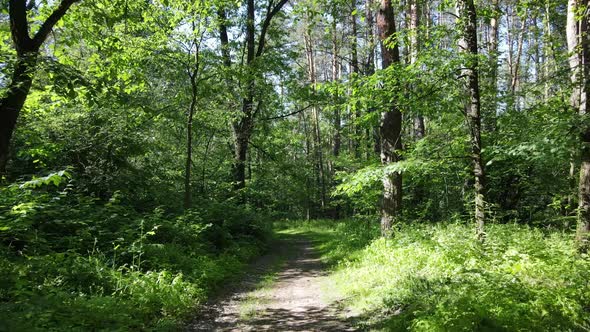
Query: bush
[[73, 263]]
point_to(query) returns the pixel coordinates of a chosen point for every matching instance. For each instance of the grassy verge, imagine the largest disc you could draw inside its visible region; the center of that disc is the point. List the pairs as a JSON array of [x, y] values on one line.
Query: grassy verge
[[85, 266], [436, 278]]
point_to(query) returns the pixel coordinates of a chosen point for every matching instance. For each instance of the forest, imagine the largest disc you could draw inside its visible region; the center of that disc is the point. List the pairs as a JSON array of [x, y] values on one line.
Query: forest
[[294, 165]]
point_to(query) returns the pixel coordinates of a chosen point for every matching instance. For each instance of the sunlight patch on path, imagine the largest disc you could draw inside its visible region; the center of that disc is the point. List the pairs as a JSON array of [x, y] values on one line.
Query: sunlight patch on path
[[290, 300]]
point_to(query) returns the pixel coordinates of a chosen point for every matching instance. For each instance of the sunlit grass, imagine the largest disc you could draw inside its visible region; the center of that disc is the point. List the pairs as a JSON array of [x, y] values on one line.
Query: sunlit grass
[[437, 278]]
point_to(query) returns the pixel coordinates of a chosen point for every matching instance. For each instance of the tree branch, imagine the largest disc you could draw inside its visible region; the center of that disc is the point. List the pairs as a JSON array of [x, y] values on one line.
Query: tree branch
[[288, 115], [266, 25], [50, 22]]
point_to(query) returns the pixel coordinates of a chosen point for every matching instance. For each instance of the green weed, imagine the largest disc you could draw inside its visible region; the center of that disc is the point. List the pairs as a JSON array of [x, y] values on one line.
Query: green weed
[[437, 278]]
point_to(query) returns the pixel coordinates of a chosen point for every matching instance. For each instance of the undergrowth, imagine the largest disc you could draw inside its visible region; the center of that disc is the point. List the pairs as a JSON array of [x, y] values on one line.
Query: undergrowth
[[73, 263], [437, 278]]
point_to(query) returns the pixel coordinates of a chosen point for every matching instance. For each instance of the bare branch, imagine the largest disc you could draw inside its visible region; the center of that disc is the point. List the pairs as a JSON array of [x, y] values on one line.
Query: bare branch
[[288, 115]]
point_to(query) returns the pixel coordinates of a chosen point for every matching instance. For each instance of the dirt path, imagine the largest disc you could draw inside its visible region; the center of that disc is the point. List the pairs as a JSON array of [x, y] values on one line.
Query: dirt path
[[287, 300]]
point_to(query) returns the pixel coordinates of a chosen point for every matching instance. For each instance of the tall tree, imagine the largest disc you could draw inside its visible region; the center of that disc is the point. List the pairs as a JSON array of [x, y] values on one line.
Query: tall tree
[[243, 124], [579, 61], [391, 122], [27, 53], [355, 69], [369, 69], [493, 56], [419, 129], [335, 78], [467, 22], [193, 71]]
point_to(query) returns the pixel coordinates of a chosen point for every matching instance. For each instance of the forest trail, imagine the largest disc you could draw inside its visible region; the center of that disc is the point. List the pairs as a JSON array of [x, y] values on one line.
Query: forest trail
[[291, 300]]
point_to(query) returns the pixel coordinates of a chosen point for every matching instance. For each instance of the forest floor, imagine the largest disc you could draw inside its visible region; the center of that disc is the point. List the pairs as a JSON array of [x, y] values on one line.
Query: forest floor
[[282, 291]]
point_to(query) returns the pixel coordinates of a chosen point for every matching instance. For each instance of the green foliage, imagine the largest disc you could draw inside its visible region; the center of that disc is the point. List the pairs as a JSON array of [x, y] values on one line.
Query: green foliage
[[437, 278], [91, 230], [75, 263]]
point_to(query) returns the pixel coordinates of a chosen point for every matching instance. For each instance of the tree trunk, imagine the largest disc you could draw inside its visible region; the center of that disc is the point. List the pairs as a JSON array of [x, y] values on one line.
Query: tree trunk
[[189, 140], [335, 78], [27, 50], [370, 36], [419, 128], [375, 146], [579, 49], [242, 127], [468, 44], [516, 68], [493, 55], [316, 131], [241, 131], [355, 69], [13, 102], [548, 52], [391, 123]]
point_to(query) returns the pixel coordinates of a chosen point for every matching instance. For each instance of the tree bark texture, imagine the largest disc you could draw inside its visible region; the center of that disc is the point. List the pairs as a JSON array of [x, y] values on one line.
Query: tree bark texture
[[390, 124], [493, 56], [579, 50], [467, 22], [419, 128], [243, 125], [27, 51]]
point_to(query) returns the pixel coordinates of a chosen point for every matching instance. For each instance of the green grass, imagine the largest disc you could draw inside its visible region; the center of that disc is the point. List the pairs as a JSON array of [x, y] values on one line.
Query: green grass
[[76, 293], [86, 266], [437, 278]]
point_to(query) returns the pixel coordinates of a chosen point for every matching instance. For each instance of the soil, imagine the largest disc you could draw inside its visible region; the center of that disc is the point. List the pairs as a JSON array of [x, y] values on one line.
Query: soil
[[292, 300]]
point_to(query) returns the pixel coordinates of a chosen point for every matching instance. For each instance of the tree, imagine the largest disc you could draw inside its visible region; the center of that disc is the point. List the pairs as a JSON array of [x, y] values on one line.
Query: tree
[[27, 53], [467, 23], [391, 122], [579, 62], [194, 72], [244, 122], [419, 129], [493, 55]]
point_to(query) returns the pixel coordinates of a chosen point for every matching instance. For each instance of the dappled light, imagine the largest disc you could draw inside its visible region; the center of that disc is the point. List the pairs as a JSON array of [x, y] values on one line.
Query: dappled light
[[294, 165]]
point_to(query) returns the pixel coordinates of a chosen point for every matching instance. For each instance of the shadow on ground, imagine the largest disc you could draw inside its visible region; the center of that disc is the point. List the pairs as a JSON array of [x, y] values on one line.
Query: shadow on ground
[[293, 302]]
